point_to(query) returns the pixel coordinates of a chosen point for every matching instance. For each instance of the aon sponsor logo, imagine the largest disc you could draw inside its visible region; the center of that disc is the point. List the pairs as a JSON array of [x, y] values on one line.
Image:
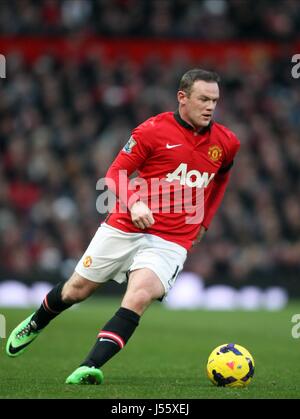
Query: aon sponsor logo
[[191, 178]]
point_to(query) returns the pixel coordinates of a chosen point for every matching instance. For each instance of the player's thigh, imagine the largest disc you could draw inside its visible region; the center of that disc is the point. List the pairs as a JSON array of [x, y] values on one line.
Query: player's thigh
[[162, 258]]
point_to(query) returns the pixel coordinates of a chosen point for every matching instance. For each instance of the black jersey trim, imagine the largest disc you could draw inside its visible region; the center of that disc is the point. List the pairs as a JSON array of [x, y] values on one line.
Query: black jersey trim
[[186, 125], [226, 169]]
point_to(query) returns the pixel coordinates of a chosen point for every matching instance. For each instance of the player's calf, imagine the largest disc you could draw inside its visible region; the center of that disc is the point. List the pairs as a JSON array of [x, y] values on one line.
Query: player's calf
[[77, 289], [60, 298], [110, 340]]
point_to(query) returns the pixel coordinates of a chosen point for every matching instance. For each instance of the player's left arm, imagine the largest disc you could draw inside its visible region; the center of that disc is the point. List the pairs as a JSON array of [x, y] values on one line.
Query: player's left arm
[[200, 235], [219, 186], [215, 197], [213, 202]]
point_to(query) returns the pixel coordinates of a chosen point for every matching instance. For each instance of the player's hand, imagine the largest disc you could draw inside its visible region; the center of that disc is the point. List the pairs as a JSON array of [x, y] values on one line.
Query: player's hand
[[200, 236], [141, 215]]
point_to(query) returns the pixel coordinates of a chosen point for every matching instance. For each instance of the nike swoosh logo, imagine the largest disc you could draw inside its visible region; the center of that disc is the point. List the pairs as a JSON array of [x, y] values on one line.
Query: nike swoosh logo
[[14, 350], [173, 146], [108, 340]]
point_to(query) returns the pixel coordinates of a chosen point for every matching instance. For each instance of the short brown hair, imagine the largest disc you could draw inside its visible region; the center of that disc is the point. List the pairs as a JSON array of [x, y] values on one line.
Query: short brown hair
[[189, 78]]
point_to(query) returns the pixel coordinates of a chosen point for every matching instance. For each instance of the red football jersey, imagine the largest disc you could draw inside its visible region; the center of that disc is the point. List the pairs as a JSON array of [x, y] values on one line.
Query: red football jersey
[[182, 176]]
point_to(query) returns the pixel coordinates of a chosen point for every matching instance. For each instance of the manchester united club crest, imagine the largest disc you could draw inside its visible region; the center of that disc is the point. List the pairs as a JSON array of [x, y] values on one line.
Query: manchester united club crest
[[87, 261], [215, 152]]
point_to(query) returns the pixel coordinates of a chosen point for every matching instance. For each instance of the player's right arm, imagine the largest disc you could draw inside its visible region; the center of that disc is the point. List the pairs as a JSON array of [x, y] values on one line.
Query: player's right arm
[[130, 159], [141, 215]]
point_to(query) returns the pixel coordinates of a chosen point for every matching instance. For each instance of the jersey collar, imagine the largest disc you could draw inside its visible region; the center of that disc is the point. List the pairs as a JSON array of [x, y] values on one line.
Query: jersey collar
[[186, 125]]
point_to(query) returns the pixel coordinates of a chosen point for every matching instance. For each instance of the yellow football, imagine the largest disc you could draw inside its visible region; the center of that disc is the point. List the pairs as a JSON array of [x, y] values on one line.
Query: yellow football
[[230, 365]]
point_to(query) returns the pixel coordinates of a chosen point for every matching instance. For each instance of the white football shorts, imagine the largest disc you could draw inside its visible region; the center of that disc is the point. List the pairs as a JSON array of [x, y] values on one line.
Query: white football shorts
[[112, 254]]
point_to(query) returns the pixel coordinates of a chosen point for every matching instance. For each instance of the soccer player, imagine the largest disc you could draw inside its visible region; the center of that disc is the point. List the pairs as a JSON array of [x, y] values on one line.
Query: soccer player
[[143, 240]]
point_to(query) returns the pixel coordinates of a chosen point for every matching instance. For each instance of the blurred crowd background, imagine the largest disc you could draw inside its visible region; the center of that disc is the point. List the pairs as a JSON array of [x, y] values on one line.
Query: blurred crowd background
[[200, 19], [62, 124]]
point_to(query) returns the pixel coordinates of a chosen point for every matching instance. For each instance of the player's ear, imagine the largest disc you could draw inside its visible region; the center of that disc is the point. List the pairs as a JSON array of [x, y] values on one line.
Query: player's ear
[[181, 97]]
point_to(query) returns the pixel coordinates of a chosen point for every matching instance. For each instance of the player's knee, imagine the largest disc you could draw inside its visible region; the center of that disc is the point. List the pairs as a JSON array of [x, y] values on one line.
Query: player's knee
[[139, 300], [144, 297]]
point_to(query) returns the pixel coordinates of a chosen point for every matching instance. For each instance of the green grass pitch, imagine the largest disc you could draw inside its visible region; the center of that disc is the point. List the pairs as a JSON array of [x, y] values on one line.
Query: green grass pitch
[[165, 359]]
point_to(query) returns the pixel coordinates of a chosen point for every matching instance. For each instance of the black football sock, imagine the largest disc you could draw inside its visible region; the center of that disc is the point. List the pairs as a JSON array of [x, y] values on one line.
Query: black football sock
[[51, 307], [112, 337]]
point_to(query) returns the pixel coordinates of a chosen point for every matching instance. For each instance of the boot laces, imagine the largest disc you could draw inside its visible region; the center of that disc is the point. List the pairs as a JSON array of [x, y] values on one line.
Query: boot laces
[[26, 330]]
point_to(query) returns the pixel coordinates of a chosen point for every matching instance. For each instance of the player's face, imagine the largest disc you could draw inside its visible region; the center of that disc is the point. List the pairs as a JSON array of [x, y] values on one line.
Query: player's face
[[199, 106]]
